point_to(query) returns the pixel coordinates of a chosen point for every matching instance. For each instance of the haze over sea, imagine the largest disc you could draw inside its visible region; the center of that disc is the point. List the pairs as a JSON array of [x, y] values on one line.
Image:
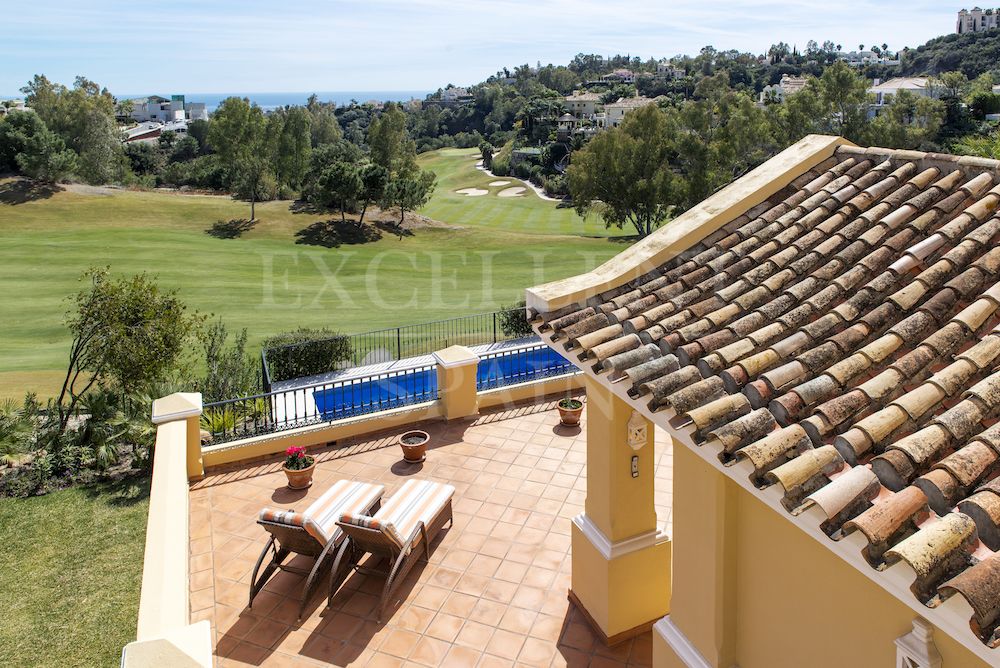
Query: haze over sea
[[270, 101]]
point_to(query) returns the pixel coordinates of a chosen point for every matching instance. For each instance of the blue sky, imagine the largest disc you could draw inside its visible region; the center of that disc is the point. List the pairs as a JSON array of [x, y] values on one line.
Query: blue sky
[[366, 45]]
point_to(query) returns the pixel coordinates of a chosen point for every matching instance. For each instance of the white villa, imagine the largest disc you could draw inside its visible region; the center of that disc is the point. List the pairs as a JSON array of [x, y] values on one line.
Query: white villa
[[667, 70], [582, 105], [977, 20], [455, 95], [615, 112], [885, 91], [161, 110], [7, 106], [150, 131], [788, 85]]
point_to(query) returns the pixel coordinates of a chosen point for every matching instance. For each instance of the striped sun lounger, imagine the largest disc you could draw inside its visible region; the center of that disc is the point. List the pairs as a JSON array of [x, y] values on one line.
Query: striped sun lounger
[[401, 530], [313, 533]]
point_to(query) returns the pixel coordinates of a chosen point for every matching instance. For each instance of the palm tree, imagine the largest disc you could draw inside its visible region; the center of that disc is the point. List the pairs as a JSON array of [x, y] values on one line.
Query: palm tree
[[17, 428]]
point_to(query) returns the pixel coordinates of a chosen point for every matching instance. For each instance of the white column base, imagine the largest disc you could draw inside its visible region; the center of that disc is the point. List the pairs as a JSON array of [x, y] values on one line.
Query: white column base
[[610, 550]]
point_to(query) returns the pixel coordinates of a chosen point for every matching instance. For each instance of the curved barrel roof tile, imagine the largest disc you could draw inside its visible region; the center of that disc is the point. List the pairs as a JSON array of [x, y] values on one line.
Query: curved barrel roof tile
[[842, 336]]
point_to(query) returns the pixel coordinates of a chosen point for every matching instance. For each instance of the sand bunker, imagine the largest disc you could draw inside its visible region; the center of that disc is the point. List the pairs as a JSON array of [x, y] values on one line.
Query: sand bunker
[[511, 192], [474, 192], [499, 183]]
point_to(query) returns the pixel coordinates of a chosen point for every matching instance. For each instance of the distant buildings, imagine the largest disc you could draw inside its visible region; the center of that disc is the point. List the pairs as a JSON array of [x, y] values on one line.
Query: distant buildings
[[615, 112], [619, 76], [885, 91], [667, 70], [150, 131], [977, 20], [454, 95], [582, 105], [777, 93], [7, 106], [162, 110], [862, 58]]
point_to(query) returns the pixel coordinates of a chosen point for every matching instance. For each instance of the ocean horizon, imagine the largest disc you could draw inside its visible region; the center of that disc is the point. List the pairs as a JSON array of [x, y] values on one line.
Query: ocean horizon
[[271, 101]]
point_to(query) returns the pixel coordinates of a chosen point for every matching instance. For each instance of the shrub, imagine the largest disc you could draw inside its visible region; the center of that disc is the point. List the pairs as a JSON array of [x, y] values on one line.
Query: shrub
[[514, 321], [24, 481], [556, 185], [305, 352], [229, 371], [500, 166]]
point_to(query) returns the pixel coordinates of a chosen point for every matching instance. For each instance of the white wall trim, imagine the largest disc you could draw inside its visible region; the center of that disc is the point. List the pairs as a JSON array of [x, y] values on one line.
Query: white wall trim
[[680, 644], [610, 550]]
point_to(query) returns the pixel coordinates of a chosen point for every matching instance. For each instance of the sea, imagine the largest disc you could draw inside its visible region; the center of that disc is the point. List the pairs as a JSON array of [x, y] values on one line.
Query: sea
[[271, 101]]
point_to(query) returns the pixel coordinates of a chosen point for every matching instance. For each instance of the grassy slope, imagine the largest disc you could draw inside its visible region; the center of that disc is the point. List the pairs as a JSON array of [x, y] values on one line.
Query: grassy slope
[[264, 280], [70, 571]]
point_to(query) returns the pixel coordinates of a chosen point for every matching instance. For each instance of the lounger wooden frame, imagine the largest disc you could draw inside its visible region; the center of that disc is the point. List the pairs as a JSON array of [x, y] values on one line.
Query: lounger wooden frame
[[362, 540], [289, 539]]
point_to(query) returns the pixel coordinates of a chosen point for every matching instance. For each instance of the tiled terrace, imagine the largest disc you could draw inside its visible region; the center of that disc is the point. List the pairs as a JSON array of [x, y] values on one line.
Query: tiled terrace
[[494, 591]]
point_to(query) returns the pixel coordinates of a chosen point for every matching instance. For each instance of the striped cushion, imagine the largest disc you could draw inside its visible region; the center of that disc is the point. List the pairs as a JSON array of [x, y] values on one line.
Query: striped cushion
[[386, 527], [320, 518], [416, 501]]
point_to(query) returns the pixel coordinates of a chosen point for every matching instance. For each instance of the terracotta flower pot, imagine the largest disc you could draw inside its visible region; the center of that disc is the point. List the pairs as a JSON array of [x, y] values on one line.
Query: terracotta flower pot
[[569, 415], [414, 445], [299, 478]]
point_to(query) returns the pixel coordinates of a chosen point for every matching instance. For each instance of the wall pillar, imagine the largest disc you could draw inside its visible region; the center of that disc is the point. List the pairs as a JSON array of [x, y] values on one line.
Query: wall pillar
[[184, 406], [164, 636], [621, 562], [701, 628], [457, 367]]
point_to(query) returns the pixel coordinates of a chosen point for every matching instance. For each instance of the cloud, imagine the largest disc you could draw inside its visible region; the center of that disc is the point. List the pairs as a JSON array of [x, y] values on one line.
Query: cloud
[[412, 44]]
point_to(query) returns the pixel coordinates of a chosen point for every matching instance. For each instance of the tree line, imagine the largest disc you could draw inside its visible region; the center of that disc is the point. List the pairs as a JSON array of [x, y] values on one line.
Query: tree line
[[663, 160], [292, 152]]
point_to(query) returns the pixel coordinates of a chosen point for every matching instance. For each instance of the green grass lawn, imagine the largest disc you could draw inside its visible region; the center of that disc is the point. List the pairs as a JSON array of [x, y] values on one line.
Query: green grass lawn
[[270, 279], [70, 573]]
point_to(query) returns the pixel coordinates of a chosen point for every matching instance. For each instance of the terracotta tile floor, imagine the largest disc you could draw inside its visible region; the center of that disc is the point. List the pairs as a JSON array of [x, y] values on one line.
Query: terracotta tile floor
[[493, 592]]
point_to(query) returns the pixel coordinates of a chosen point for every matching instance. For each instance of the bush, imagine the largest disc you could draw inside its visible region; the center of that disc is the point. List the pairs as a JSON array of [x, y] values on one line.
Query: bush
[[500, 166], [514, 321], [556, 185], [229, 371], [24, 481], [305, 352], [523, 170]]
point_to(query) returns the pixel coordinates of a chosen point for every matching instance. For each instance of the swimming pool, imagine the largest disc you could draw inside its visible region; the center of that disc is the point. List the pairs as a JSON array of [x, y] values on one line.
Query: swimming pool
[[417, 385]]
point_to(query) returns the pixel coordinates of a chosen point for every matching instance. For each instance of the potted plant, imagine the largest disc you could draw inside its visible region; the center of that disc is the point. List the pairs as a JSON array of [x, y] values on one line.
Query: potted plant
[[414, 445], [298, 468], [569, 411]]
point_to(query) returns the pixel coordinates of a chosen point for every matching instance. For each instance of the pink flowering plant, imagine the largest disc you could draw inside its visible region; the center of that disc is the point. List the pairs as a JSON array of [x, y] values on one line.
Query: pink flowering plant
[[296, 459]]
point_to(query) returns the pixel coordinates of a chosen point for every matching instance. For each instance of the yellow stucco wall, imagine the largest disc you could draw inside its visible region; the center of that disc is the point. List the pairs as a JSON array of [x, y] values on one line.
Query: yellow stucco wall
[[798, 604], [751, 589]]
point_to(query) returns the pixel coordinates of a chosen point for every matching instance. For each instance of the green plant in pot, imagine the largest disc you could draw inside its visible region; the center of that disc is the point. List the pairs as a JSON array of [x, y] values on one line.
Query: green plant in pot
[[569, 411], [298, 468]]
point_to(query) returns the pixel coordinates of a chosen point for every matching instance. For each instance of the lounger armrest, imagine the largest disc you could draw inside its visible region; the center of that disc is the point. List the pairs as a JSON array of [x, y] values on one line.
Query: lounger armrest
[[416, 533]]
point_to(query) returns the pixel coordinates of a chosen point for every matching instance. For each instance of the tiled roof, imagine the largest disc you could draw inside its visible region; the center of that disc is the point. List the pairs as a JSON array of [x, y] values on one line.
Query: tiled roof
[[839, 343]]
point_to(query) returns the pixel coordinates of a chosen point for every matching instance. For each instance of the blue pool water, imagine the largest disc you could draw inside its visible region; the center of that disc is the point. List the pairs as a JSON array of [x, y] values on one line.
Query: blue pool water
[[367, 395]]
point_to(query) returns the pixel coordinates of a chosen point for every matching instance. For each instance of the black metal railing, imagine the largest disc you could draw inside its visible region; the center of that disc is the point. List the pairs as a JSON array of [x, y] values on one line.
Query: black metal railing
[[325, 402], [396, 343], [521, 365]]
